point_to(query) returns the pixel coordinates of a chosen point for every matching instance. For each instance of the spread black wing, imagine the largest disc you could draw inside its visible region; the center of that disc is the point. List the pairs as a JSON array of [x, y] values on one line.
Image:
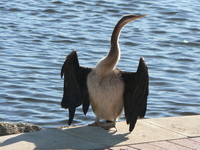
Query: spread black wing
[[136, 92], [75, 90]]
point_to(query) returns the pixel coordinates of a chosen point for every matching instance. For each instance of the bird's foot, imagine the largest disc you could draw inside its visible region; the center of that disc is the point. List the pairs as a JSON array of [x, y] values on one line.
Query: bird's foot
[[99, 123], [108, 125]]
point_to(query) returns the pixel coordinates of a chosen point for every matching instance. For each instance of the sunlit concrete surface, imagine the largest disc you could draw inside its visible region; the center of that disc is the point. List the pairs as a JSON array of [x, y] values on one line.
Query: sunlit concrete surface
[[159, 133]]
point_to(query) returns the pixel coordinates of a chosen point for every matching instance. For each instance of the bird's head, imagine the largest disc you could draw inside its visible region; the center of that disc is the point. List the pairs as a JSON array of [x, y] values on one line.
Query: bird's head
[[128, 18]]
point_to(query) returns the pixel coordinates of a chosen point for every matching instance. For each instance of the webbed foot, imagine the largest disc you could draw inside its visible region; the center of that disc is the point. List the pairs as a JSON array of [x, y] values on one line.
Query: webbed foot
[[108, 125], [96, 123]]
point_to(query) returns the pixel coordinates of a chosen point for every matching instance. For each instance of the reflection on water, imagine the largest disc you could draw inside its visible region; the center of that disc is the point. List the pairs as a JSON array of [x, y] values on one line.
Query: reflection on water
[[37, 35]]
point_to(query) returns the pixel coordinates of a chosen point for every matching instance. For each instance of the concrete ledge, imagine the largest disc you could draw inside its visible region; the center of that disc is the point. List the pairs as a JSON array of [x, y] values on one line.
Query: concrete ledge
[[148, 133]]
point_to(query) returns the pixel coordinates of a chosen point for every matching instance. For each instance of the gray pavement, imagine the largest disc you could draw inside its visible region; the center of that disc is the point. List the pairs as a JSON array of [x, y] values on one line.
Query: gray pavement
[[158, 133]]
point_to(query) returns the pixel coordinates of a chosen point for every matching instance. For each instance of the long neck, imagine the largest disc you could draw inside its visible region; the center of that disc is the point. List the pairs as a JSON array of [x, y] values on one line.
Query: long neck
[[114, 53], [108, 63]]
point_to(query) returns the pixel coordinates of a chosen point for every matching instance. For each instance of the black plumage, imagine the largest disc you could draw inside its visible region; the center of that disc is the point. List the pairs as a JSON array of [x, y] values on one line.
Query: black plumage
[[136, 84]]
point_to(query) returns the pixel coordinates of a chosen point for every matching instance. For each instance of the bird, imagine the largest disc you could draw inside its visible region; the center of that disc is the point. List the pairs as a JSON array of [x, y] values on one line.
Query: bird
[[106, 88]]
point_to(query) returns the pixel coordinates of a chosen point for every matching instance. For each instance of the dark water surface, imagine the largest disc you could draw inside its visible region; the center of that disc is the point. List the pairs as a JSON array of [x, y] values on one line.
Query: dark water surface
[[36, 36]]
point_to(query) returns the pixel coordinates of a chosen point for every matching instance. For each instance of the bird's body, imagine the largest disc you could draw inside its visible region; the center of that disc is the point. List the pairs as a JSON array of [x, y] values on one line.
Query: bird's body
[[108, 89], [106, 94]]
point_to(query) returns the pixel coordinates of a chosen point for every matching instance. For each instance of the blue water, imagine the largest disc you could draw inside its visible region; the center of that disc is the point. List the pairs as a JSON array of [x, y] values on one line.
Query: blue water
[[37, 35]]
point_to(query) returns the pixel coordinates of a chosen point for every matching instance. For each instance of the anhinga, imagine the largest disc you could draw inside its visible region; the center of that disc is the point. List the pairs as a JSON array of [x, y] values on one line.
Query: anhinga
[[108, 89]]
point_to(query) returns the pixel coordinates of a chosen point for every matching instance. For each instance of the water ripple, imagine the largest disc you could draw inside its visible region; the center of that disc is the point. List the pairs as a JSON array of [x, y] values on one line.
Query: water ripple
[[36, 36]]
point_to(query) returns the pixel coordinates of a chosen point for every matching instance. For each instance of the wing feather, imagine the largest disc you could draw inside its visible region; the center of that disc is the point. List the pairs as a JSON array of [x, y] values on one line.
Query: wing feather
[[135, 95], [75, 90]]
